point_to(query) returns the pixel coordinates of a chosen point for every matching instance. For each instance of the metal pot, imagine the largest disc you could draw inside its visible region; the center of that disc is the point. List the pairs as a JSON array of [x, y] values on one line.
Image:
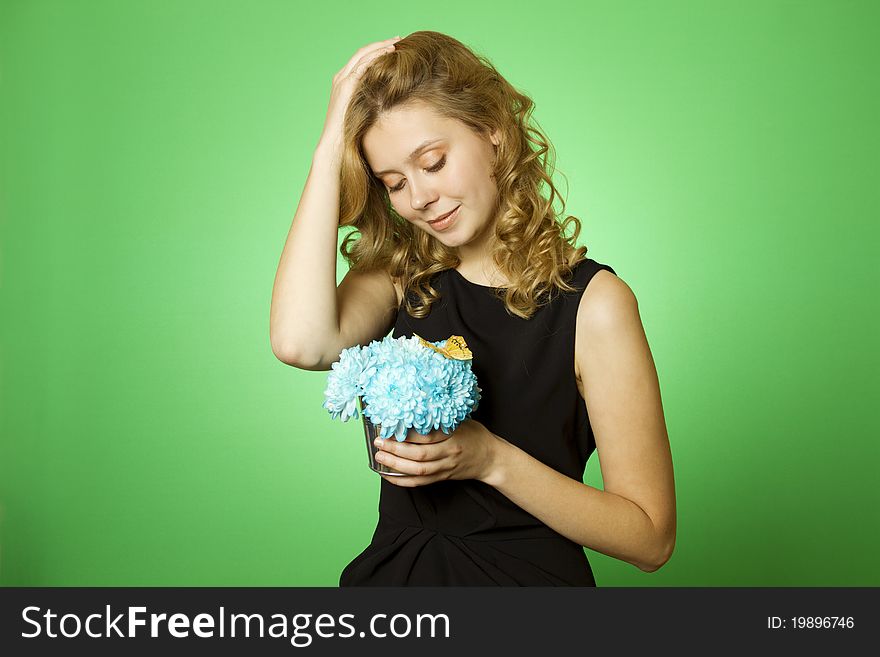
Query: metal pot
[[371, 431]]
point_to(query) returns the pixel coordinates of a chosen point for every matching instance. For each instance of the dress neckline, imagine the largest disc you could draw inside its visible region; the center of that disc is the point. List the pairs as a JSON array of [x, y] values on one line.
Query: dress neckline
[[488, 287], [485, 287]]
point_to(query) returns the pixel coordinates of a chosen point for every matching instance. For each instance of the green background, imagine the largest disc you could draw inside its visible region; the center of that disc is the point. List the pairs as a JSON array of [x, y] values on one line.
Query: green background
[[722, 157]]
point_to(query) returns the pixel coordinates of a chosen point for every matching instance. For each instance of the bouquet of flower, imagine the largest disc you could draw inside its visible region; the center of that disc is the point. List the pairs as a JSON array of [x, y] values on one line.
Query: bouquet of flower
[[404, 383]]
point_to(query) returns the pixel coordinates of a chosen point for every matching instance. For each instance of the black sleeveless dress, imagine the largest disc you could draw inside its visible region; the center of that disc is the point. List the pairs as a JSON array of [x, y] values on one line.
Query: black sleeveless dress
[[465, 532]]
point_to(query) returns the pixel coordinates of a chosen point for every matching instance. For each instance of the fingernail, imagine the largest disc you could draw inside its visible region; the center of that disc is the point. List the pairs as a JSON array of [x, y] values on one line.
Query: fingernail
[[378, 442]]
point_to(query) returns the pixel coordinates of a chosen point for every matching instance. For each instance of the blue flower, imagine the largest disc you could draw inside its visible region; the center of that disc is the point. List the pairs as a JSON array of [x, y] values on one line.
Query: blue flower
[[344, 383], [404, 385]]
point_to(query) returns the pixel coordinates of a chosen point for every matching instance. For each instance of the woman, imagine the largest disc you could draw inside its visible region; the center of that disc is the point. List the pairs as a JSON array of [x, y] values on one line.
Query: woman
[[427, 152]]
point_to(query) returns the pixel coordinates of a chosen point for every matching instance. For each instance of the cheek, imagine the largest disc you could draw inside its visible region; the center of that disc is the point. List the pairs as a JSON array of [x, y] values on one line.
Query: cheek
[[456, 185], [471, 181], [394, 201], [403, 211]]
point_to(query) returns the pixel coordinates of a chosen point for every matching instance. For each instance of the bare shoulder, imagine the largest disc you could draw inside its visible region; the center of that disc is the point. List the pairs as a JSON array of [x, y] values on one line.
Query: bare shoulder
[[608, 300], [608, 309]]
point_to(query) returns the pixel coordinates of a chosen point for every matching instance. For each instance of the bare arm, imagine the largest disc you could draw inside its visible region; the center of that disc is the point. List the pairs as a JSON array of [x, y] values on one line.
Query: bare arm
[[304, 316], [309, 321], [633, 519]]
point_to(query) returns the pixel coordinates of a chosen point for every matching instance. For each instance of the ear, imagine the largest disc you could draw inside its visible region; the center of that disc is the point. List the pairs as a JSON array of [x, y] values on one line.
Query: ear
[[495, 137]]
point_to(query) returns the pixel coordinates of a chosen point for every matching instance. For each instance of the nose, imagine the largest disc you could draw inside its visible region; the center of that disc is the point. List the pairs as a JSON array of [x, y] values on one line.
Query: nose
[[421, 195]]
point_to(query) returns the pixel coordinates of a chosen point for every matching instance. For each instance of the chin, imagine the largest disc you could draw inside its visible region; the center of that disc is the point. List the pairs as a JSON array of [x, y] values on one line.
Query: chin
[[452, 241]]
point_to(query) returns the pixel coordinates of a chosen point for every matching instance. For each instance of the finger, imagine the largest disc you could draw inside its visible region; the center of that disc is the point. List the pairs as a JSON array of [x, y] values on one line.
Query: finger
[[368, 59], [410, 467], [418, 452], [377, 47]]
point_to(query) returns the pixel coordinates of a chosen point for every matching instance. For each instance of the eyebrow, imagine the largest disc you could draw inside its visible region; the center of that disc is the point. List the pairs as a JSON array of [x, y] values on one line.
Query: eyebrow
[[421, 147]]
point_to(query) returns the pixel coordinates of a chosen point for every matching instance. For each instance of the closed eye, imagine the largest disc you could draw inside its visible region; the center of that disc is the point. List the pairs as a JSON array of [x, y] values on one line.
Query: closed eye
[[433, 169]]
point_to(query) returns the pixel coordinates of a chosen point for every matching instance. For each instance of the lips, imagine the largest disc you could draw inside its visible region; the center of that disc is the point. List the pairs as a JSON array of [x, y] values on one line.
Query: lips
[[443, 216]]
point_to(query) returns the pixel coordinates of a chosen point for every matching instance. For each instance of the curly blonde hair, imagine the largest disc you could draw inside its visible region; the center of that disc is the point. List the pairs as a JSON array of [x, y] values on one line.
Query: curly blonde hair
[[530, 248]]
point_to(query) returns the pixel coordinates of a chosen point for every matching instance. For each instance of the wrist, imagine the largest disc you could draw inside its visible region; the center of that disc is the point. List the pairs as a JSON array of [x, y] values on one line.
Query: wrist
[[498, 458], [329, 148]]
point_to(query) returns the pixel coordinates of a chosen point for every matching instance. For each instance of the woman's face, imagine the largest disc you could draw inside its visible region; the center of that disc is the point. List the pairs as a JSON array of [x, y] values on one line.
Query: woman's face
[[431, 165]]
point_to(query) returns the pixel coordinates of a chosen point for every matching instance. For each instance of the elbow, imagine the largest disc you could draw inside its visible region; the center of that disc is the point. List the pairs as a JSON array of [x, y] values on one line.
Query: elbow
[[654, 565], [660, 557], [282, 352], [297, 358]]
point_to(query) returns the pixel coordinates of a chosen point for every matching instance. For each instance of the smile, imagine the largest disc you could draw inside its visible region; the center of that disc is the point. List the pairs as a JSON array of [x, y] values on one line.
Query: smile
[[445, 222]]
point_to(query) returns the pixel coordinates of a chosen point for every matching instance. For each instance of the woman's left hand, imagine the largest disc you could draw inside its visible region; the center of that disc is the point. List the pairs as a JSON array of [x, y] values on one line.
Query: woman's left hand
[[466, 453]]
